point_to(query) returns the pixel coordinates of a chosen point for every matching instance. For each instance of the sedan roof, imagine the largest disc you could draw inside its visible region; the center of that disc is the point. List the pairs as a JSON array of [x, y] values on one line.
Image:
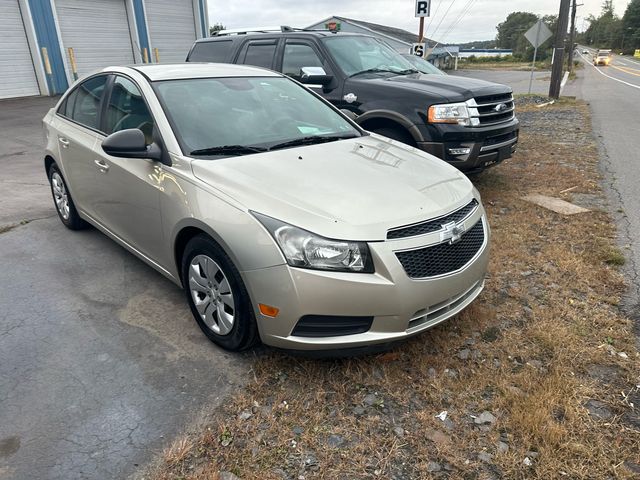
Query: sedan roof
[[180, 71]]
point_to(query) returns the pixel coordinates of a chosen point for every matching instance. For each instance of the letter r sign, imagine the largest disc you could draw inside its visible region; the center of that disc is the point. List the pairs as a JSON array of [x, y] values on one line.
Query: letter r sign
[[423, 8]]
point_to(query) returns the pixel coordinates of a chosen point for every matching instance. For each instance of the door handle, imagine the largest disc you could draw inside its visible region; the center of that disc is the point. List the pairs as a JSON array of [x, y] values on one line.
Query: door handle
[[64, 142], [102, 165]]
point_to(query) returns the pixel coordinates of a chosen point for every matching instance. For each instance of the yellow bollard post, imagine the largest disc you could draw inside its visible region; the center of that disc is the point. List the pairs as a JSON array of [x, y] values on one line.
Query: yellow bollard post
[[72, 59], [145, 55], [45, 59], [156, 54]]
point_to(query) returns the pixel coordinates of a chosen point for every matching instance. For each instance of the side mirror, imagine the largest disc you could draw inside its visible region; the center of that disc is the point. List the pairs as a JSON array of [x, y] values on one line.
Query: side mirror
[[130, 143], [314, 75]]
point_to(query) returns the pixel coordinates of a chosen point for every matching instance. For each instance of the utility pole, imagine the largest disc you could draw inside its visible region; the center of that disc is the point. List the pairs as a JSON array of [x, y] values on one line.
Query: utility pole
[[572, 35], [558, 49]]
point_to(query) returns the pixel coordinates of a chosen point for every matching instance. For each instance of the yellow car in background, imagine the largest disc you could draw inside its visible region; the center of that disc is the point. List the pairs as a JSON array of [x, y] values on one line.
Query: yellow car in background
[[603, 57]]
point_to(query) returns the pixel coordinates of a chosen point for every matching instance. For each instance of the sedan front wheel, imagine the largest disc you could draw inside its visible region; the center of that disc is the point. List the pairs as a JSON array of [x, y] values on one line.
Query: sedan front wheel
[[217, 296]]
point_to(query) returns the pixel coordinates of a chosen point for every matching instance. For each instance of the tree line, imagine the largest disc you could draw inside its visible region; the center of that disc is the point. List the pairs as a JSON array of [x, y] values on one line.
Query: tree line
[[605, 31], [608, 30]]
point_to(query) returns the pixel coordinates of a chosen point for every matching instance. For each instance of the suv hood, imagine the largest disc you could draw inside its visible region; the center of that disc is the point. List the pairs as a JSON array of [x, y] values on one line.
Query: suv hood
[[353, 189], [450, 87]]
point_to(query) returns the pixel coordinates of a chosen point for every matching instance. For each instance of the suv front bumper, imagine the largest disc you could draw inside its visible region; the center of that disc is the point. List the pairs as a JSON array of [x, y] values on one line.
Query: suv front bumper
[[487, 146]]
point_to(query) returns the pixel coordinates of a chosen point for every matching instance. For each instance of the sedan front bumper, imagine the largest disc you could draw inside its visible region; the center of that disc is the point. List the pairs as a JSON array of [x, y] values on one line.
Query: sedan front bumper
[[397, 306]]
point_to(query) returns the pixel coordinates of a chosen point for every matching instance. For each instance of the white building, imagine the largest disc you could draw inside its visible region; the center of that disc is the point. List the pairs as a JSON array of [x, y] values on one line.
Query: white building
[[46, 44]]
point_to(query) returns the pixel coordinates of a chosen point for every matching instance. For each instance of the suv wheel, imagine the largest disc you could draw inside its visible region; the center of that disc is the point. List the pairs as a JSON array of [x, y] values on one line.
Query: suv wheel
[[62, 199], [217, 296]]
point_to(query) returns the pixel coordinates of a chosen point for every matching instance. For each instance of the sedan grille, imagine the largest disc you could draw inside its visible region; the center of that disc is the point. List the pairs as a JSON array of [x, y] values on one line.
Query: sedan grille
[[433, 225], [444, 257], [491, 109]]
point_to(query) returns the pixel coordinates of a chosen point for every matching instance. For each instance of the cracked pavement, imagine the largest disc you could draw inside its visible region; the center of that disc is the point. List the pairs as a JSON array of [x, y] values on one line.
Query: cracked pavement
[[101, 363]]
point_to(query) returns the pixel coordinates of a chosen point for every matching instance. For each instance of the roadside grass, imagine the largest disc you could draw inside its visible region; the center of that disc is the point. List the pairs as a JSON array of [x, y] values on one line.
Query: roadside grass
[[544, 339]]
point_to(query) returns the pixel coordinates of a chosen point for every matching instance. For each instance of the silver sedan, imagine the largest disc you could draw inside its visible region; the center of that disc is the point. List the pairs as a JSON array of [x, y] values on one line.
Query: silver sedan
[[281, 218]]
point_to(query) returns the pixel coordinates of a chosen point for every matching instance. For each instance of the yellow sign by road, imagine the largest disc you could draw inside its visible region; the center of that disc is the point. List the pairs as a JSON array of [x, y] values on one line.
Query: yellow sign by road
[[637, 53]]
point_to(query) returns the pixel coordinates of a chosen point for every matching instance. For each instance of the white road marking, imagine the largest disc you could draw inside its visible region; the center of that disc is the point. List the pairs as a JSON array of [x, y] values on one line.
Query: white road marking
[[609, 76], [625, 64]]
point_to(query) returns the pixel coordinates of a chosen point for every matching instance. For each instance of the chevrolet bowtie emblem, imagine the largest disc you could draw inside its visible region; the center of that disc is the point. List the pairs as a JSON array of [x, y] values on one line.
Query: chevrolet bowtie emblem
[[451, 232]]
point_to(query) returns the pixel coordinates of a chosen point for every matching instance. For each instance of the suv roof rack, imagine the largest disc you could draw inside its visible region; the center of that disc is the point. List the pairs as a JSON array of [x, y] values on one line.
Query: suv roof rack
[[245, 31]]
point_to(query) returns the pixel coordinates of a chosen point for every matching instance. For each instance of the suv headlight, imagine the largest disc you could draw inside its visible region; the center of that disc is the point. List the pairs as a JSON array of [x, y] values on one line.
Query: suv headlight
[[308, 250], [449, 113]]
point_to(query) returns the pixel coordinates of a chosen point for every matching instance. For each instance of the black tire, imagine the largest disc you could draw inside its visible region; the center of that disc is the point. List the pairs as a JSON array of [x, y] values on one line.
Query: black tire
[[396, 134], [244, 332], [71, 220]]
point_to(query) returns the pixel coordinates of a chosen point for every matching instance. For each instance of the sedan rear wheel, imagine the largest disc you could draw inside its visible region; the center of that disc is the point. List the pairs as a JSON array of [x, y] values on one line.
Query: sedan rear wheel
[[64, 203]]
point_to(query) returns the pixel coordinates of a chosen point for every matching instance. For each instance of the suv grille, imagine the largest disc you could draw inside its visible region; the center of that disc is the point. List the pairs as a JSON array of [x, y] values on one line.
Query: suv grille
[[484, 109], [432, 225], [443, 258]]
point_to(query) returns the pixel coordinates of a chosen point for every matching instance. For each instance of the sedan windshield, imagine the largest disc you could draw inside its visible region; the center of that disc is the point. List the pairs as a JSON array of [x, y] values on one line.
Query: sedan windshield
[[356, 55], [222, 117]]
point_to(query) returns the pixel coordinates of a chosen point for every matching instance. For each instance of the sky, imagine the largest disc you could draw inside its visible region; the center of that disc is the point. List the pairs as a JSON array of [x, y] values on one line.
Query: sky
[[445, 24]]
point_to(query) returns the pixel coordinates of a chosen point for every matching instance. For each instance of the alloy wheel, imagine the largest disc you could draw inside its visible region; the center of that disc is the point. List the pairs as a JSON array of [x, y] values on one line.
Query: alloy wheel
[[60, 195], [211, 294]]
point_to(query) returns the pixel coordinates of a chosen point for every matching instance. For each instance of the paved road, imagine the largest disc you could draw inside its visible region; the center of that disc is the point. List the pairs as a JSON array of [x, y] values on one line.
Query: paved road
[[100, 359], [613, 93], [517, 80]]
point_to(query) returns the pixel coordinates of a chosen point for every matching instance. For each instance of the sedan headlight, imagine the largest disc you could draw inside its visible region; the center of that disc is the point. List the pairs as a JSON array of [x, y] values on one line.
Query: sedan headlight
[[449, 113], [308, 250]]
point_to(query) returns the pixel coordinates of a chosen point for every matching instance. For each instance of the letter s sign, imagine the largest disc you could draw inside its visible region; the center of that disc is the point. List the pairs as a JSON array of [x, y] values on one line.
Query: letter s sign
[[423, 8]]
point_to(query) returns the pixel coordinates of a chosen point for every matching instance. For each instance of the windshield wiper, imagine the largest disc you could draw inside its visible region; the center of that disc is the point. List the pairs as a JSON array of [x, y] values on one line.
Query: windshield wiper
[[372, 70], [406, 71], [311, 140], [228, 150]]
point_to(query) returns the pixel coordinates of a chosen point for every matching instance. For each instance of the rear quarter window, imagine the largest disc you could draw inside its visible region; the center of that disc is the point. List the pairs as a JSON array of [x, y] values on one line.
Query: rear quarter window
[[217, 52]]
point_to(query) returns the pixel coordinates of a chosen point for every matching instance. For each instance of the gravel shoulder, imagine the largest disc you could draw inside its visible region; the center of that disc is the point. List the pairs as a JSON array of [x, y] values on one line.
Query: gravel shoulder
[[538, 379]]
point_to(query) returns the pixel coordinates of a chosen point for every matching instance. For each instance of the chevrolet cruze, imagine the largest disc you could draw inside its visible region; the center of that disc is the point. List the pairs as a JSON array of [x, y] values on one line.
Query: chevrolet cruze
[[281, 218]]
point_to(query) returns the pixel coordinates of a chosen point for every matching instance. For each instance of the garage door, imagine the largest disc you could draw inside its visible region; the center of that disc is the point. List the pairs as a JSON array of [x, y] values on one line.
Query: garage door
[[17, 76], [171, 28], [98, 32]]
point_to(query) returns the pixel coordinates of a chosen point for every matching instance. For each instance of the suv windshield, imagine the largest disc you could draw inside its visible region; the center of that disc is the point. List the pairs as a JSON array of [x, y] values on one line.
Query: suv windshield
[[361, 54], [422, 65], [215, 117]]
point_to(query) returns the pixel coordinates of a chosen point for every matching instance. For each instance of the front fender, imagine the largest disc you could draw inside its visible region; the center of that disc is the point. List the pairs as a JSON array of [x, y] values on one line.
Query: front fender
[[395, 117]]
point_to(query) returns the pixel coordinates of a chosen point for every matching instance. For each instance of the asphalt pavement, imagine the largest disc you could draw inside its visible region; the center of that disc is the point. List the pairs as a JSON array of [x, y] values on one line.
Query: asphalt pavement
[[518, 80], [101, 362]]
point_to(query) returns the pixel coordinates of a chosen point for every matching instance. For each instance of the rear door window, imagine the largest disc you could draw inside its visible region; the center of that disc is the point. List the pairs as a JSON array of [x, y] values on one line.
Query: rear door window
[[83, 103], [259, 54], [217, 52]]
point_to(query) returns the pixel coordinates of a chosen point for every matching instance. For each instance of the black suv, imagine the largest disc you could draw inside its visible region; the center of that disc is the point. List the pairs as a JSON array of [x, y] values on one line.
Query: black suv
[[469, 123]]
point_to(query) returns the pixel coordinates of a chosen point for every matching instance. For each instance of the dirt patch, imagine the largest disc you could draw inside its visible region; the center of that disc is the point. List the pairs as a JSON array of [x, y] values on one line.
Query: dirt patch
[[536, 380]]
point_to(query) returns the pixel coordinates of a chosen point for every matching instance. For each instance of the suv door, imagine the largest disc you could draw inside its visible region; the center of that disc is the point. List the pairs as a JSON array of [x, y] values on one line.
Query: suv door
[[298, 53], [127, 193], [78, 132]]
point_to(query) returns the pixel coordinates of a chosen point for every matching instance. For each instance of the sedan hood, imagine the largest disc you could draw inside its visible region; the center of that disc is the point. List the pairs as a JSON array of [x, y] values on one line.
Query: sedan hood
[[353, 189], [449, 87]]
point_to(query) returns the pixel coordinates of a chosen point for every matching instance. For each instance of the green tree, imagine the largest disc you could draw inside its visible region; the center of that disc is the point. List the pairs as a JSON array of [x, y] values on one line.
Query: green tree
[[631, 27], [511, 34], [215, 28], [606, 30]]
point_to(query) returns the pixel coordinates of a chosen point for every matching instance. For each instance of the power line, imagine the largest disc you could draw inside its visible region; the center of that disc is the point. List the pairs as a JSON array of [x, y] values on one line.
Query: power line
[[463, 12], [435, 14], [443, 17]]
